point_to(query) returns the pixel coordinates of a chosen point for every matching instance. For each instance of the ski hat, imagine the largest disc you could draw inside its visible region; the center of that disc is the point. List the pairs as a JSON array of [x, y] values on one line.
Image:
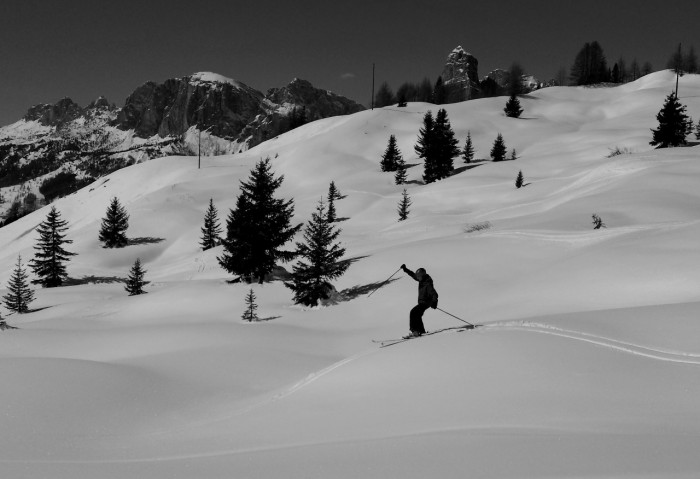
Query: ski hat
[[420, 271]]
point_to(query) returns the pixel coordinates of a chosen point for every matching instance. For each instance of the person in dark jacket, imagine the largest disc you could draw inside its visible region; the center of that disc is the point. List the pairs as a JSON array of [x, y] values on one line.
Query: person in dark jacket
[[427, 298]]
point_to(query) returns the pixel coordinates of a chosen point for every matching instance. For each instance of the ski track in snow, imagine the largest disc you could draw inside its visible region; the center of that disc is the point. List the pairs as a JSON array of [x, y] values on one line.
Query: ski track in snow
[[588, 237], [618, 345]]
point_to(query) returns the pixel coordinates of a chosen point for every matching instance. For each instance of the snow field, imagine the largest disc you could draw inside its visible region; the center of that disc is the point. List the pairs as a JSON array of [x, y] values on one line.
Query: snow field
[[586, 365]]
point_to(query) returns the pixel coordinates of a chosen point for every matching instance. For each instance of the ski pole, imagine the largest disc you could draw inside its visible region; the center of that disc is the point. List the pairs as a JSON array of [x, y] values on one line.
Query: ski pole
[[387, 280], [470, 324]]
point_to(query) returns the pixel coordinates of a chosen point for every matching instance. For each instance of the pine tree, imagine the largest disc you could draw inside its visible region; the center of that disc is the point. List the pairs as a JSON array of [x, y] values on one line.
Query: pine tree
[[468, 152], [135, 283], [331, 215], [498, 152], [425, 147], [513, 109], [321, 260], [404, 204], [513, 155], [20, 295], [48, 262], [334, 192], [211, 229], [673, 124], [439, 93], [114, 226], [401, 172], [519, 180], [384, 96], [250, 315], [697, 130], [258, 227], [391, 155], [590, 65], [446, 145]]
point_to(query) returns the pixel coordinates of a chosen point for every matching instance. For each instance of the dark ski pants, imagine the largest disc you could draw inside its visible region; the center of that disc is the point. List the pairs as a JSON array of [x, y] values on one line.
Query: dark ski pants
[[416, 322]]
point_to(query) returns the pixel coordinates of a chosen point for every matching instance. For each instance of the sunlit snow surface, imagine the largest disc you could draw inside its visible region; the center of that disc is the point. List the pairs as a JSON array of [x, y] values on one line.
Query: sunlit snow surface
[[587, 364]]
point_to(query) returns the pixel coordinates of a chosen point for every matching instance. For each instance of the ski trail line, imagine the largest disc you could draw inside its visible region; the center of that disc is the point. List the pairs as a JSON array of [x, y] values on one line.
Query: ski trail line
[[618, 345]]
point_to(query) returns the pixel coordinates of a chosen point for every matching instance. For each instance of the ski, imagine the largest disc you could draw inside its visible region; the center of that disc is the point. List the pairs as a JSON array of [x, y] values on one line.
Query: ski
[[389, 342]]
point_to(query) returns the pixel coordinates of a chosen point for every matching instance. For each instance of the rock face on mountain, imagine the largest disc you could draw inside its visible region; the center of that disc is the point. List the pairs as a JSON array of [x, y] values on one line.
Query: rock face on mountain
[[226, 108], [300, 97], [460, 76], [52, 115], [206, 100]]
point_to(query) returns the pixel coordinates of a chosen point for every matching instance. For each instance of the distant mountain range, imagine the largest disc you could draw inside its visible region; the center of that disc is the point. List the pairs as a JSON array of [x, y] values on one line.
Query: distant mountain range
[[157, 119]]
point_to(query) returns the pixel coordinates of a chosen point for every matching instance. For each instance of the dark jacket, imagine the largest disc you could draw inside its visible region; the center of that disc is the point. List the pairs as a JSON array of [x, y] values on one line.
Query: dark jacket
[[426, 291]]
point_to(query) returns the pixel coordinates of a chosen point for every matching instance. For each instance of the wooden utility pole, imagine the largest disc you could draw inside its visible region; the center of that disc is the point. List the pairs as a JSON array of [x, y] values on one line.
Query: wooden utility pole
[[372, 101], [679, 63]]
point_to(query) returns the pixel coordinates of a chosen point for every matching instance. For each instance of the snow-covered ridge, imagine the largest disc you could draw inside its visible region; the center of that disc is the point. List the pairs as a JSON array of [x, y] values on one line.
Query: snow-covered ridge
[[210, 77]]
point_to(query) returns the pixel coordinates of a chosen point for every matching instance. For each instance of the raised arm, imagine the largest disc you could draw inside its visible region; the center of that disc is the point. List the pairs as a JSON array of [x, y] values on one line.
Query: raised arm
[[409, 272]]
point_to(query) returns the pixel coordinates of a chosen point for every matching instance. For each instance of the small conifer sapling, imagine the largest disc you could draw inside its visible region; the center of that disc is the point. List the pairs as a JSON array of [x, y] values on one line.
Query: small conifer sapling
[[598, 223], [519, 180], [513, 109], [401, 174], [391, 155], [20, 295], [4, 325], [250, 315], [211, 231], [404, 205], [468, 152], [498, 151], [135, 282]]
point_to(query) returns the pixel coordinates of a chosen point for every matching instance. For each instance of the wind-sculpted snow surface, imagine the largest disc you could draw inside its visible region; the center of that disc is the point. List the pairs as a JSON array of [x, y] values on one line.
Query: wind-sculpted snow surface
[[586, 363]]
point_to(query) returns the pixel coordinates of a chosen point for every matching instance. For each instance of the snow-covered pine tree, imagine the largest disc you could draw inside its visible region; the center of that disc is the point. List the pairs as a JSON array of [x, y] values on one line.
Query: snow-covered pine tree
[[258, 227], [401, 174], [19, 295], [513, 108], [391, 155], [498, 151], [135, 282], [468, 152], [404, 204], [673, 124], [250, 315], [211, 229], [320, 261], [48, 262], [114, 226], [519, 180]]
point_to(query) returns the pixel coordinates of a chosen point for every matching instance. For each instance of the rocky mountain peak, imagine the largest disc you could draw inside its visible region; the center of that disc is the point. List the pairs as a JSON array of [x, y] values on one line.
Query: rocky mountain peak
[[62, 111], [460, 75]]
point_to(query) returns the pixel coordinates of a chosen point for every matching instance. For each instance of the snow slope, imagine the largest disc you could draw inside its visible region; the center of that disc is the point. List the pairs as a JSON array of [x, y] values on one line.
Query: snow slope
[[586, 364]]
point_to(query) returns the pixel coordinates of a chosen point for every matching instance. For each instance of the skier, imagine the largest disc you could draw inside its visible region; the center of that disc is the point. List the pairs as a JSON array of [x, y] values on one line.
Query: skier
[[427, 298]]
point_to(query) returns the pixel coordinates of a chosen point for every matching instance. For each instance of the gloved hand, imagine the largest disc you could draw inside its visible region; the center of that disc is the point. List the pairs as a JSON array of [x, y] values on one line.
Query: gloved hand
[[434, 305], [403, 267]]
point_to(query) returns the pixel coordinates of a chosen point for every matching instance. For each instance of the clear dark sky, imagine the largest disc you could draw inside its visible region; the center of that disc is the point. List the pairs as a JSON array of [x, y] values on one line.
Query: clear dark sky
[[82, 49]]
